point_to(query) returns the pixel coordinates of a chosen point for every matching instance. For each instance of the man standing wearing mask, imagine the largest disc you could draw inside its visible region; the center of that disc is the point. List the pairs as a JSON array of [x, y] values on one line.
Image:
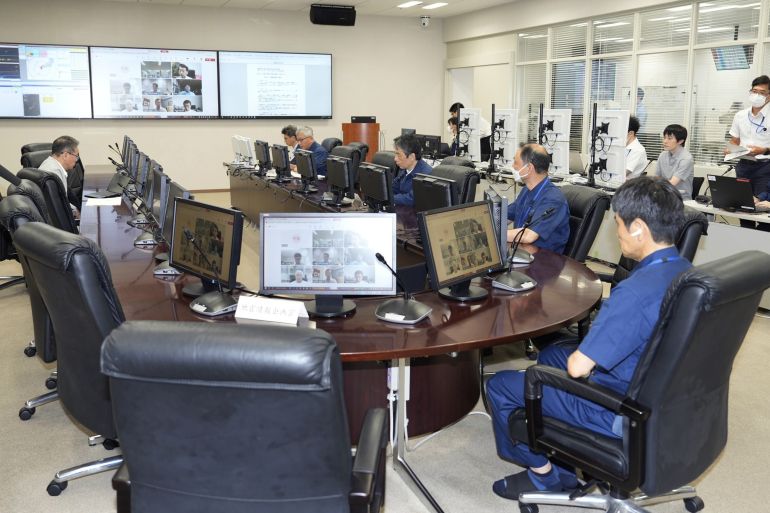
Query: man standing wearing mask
[[530, 166], [750, 130]]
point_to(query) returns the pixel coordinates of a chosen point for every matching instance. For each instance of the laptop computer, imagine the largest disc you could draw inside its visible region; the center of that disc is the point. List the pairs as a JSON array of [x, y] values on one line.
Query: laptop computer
[[733, 194]]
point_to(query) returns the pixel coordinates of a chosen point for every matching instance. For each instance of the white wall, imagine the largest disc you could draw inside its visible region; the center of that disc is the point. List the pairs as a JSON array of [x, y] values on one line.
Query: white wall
[[388, 67]]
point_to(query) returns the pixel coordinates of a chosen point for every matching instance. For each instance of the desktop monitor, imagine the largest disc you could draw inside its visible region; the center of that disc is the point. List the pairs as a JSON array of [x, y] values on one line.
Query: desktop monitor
[[432, 192], [147, 188], [554, 136], [242, 149], [431, 145], [408, 131], [307, 171], [279, 154], [376, 184], [460, 244], [262, 154], [142, 173], [206, 242], [506, 136], [330, 255], [610, 132], [160, 182], [174, 191], [339, 176], [124, 150], [499, 205], [132, 161]]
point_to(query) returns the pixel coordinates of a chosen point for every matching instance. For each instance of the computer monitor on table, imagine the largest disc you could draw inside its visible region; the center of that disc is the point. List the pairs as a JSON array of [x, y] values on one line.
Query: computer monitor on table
[[460, 244], [206, 242], [376, 184], [307, 170], [431, 145], [329, 255], [340, 178], [280, 157], [174, 191], [153, 209], [499, 205], [431, 192], [262, 156]]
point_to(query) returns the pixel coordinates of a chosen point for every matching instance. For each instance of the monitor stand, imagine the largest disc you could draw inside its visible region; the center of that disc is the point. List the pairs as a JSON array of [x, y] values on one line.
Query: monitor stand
[[514, 281], [330, 306], [199, 288], [280, 177], [463, 291], [307, 188]]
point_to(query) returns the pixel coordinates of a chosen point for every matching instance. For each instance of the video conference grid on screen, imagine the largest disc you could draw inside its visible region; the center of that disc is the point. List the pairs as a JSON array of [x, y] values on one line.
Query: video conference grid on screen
[[210, 231], [462, 242], [44, 81], [321, 253], [140, 82], [259, 84]]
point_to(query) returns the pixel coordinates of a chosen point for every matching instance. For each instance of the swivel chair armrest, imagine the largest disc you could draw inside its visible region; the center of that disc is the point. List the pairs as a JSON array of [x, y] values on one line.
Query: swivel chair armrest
[[539, 375], [368, 462], [121, 483], [605, 277]]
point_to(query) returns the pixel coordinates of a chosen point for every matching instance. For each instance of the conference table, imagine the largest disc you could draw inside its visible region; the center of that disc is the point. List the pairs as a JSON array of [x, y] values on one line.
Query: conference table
[[438, 378]]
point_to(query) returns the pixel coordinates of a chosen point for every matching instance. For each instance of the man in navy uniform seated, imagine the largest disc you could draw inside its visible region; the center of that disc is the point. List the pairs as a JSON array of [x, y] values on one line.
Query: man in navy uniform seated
[[306, 142], [648, 213], [409, 161], [530, 166]]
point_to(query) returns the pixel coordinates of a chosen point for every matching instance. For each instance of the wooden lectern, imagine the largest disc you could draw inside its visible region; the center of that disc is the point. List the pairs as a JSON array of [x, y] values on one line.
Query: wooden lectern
[[368, 133]]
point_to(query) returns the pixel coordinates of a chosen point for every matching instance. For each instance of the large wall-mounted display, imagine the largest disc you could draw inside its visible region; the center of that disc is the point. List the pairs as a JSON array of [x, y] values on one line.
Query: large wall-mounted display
[[154, 83], [44, 81], [275, 85]]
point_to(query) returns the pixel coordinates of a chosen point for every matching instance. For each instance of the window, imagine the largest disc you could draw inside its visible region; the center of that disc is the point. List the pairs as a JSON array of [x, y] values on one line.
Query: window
[[661, 96], [567, 92], [569, 40], [724, 21], [533, 45], [531, 87], [613, 35], [665, 28]]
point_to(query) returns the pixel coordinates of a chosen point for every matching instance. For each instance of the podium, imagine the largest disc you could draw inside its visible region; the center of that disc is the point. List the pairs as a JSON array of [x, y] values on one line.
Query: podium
[[368, 133]]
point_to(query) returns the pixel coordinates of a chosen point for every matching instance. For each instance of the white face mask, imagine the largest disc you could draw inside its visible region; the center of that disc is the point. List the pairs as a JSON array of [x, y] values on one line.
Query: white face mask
[[517, 174], [757, 100]]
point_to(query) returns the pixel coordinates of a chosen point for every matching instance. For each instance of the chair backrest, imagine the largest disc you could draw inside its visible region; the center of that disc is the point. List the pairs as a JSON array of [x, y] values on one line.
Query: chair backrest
[[34, 158], [15, 211], [30, 147], [683, 376], [362, 147], [467, 178], [387, 159], [351, 152], [56, 201], [697, 183], [32, 191], [330, 143], [263, 407], [695, 225], [586, 212], [458, 161], [76, 286]]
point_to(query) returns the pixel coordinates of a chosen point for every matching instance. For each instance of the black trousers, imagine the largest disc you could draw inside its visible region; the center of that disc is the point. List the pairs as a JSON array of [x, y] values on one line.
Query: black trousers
[[758, 174]]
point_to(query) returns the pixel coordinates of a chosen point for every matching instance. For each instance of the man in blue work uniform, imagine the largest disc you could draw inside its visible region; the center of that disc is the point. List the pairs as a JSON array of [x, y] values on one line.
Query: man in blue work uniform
[[648, 214], [409, 161], [306, 142], [530, 166]]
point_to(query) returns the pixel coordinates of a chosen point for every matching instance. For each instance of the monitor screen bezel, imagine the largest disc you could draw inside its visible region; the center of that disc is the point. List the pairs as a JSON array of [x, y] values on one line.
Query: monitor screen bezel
[[368, 173], [348, 188], [420, 183], [168, 221], [366, 218], [230, 280], [306, 169], [283, 151], [430, 244], [160, 182]]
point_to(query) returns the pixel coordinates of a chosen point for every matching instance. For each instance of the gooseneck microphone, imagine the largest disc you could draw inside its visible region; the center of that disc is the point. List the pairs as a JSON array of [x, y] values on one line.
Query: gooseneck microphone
[[517, 239], [514, 281], [7, 175], [215, 302], [118, 165], [400, 310]]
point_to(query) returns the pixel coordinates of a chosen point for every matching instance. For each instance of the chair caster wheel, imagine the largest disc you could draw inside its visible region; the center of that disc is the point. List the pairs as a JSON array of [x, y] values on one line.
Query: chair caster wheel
[[528, 508], [30, 351], [110, 444], [54, 488], [694, 504], [26, 413], [51, 383]]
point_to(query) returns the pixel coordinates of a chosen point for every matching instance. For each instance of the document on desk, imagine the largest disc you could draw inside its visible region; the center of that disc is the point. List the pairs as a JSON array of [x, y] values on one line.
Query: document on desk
[[103, 202]]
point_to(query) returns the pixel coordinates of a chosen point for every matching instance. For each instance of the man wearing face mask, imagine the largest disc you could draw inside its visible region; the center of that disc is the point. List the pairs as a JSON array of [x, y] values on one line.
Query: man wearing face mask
[[530, 166], [750, 130], [648, 215], [636, 155]]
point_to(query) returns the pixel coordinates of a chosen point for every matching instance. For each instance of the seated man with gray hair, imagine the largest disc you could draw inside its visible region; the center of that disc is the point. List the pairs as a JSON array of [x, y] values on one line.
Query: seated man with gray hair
[[306, 142], [63, 159]]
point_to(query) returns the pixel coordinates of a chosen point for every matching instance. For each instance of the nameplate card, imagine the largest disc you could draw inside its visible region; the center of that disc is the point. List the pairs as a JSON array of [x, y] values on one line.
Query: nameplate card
[[259, 308]]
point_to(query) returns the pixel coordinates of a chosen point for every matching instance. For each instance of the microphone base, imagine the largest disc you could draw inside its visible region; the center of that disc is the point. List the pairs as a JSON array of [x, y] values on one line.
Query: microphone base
[[521, 256], [514, 281], [402, 311], [212, 304], [463, 292]]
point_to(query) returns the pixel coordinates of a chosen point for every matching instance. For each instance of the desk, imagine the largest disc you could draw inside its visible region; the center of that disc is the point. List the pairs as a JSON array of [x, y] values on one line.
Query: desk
[[443, 385]]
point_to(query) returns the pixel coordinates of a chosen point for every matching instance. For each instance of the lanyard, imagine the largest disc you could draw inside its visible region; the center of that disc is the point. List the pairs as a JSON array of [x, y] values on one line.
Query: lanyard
[[760, 127], [530, 209], [661, 261]]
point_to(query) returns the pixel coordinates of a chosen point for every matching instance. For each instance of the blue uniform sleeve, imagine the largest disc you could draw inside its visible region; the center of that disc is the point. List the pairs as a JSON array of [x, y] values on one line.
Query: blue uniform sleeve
[[553, 231], [319, 157]]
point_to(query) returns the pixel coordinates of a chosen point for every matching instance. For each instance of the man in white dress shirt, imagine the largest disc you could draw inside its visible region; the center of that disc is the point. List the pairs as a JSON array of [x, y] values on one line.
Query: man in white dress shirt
[[636, 155], [63, 159]]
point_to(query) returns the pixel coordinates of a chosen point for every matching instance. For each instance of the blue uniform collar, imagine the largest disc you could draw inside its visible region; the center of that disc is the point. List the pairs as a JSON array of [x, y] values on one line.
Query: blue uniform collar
[[660, 256]]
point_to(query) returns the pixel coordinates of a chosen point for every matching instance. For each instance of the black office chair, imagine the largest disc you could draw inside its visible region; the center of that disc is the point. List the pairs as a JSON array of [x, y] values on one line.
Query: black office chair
[[56, 201], [586, 212], [74, 281], [695, 225], [697, 183], [386, 159], [458, 161], [8, 252], [351, 152], [675, 410], [467, 178], [330, 143], [16, 211], [32, 191], [30, 147], [237, 418], [75, 177], [362, 147]]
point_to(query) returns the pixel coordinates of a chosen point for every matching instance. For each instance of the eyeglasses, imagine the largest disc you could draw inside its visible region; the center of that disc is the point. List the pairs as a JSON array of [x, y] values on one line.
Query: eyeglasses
[[760, 91], [76, 155], [300, 139]]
